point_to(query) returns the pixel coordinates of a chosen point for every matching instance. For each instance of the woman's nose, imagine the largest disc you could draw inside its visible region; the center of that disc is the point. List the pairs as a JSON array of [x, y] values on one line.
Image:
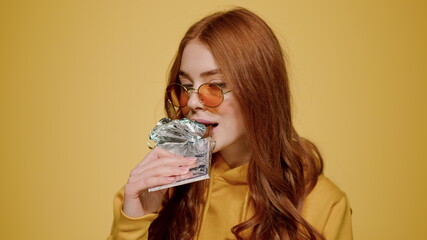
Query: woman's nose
[[194, 100]]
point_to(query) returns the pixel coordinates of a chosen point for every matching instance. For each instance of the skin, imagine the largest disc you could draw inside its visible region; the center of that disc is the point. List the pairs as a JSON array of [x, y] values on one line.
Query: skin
[[160, 167]]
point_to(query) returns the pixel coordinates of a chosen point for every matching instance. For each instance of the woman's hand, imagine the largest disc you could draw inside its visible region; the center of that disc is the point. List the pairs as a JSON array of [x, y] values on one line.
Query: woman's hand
[[159, 167]]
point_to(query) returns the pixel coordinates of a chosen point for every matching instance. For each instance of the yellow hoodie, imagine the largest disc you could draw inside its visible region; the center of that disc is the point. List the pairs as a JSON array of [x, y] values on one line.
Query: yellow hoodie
[[326, 208]]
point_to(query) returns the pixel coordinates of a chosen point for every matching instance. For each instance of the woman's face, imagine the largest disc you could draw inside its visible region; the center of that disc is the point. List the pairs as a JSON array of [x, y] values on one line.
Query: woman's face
[[197, 67]]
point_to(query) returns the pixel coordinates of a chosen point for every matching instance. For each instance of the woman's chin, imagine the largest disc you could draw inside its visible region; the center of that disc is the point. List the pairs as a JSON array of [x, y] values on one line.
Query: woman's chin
[[216, 148]]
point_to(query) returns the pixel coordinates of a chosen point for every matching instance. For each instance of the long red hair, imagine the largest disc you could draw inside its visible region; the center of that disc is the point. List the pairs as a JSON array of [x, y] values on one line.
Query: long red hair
[[284, 166]]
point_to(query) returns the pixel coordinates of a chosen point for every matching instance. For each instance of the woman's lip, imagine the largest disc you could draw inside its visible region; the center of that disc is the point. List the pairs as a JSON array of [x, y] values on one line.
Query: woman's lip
[[204, 122]]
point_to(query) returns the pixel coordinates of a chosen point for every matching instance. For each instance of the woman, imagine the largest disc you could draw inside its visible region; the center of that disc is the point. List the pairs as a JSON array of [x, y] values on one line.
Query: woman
[[266, 181]]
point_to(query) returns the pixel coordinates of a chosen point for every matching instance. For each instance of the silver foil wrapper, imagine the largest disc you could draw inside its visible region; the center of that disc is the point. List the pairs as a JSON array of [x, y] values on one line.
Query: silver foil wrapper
[[185, 138]]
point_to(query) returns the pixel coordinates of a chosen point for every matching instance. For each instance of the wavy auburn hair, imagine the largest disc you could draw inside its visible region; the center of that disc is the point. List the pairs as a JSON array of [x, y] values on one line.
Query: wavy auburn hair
[[284, 167]]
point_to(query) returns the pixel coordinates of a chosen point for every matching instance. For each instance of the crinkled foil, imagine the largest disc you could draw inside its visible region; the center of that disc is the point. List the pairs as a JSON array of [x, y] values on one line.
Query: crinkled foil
[[185, 138]]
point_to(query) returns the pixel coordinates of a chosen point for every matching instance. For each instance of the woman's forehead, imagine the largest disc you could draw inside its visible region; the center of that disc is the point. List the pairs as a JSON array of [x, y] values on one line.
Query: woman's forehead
[[197, 61]]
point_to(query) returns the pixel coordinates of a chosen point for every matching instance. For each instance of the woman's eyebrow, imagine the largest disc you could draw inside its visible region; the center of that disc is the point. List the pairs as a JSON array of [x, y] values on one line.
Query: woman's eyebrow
[[210, 72], [203, 74], [184, 74]]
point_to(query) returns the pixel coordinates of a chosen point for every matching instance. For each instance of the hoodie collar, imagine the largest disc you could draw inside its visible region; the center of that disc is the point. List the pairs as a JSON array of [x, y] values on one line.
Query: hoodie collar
[[222, 171]]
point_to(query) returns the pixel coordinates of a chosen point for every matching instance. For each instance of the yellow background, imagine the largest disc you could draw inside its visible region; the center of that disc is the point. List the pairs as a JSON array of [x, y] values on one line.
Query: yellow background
[[82, 84]]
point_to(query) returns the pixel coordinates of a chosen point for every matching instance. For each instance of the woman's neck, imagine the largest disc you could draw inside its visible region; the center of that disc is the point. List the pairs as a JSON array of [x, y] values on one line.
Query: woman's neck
[[235, 156]]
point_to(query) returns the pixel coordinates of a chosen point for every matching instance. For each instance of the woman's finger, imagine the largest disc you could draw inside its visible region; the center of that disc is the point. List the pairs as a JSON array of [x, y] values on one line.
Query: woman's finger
[[165, 162], [159, 172]]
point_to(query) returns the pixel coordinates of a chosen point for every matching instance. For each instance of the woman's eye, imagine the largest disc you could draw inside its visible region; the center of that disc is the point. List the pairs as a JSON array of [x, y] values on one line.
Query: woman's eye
[[222, 85], [187, 85], [218, 82]]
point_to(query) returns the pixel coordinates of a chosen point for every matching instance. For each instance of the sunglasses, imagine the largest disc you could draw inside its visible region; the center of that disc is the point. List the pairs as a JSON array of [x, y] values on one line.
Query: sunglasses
[[210, 94]]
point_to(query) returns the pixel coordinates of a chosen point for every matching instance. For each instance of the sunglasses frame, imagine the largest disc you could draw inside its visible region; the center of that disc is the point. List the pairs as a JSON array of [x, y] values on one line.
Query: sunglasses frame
[[191, 90]]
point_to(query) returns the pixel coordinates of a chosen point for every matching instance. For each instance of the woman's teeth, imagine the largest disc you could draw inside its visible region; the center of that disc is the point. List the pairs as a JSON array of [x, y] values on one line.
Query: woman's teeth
[[211, 124]]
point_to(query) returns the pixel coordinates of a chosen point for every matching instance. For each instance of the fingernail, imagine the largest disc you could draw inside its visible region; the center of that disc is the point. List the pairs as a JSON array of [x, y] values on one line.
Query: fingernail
[[171, 178], [184, 170]]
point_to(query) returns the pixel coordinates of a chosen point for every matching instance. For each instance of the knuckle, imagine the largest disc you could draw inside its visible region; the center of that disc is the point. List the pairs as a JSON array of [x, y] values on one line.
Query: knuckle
[[133, 172], [173, 171], [145, 182]]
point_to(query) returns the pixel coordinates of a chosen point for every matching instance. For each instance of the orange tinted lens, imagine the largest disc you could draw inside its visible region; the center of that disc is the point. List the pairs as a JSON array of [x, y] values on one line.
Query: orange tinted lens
[[210, 95], [177, 95]]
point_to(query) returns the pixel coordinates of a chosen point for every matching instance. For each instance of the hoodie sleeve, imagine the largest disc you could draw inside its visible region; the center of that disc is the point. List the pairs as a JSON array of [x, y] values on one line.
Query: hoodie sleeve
[[328, 210], [338, 225], [128, 228]]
